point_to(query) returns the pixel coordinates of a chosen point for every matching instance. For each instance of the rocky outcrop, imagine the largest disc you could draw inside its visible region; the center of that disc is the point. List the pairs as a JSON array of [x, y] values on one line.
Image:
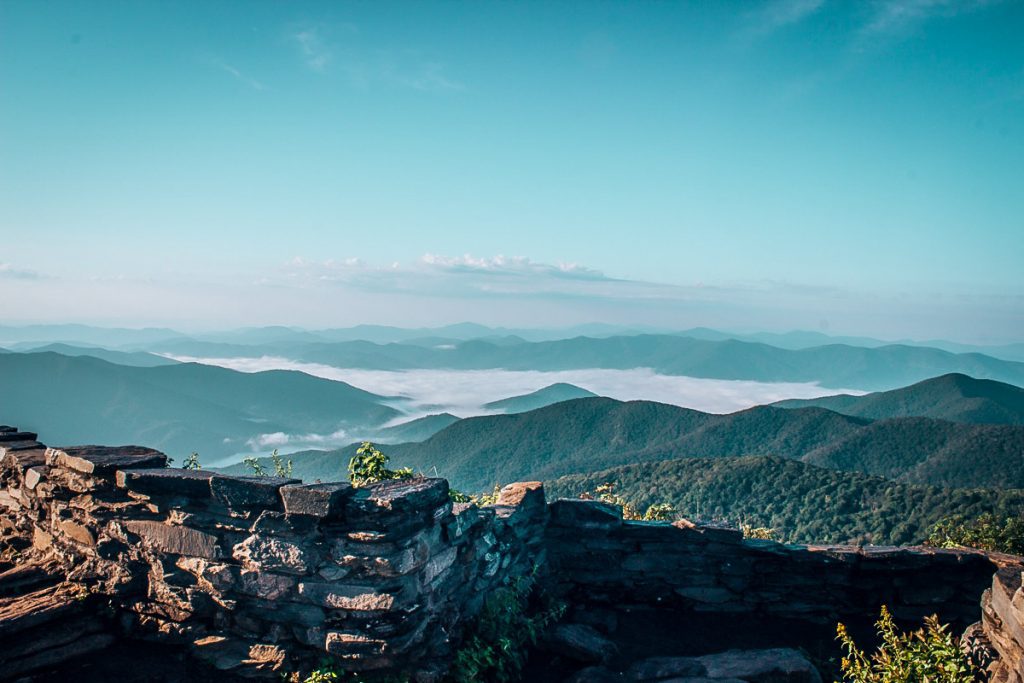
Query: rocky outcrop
[[254, 577]]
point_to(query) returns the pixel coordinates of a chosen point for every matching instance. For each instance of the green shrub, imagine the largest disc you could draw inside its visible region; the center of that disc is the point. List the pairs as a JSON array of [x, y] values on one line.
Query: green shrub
[[369, 466], [929, 655], [985, 532], [509, 623], [192, 462]]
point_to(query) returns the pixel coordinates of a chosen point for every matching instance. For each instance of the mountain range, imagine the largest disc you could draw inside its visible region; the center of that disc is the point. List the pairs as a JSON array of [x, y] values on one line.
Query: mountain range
[[178, 408], [585, 435], [953, 397]]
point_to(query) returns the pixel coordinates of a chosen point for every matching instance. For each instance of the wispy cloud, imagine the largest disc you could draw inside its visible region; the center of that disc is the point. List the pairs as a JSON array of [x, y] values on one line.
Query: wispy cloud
[[776, 16], [892, 19], [315, 50], [238, 75], [341, 49]]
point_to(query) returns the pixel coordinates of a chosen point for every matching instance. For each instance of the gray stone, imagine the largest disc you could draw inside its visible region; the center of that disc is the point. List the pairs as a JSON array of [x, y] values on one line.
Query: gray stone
[[778, 665], [340, 596], [249, 492], [660, 668], [326, 501], [398, 496], [595, 674], [168, 481], [581, 643], [101, 460], [584, 513], [272, 554], [177, 540], [346, 644]]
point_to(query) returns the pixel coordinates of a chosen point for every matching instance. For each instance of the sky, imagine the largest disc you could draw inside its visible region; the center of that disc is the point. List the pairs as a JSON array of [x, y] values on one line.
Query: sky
[[850, 167]]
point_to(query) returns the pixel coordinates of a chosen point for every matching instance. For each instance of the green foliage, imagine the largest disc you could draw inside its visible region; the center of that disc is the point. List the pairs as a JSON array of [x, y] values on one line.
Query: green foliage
[[660, 512], [656, 512], [192, 462], [457, 496], [369, 466], [761, 533], [986, 532], [929, 655], [509, 623], [805, 504], [491, 498], [282, 467], [330, 672]]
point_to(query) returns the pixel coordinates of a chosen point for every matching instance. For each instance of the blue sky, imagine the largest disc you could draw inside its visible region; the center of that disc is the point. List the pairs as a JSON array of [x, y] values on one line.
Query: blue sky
[[855, 167]]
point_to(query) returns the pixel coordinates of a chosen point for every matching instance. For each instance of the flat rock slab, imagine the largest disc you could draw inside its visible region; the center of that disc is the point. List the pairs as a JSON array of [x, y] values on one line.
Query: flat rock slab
[[585, 513], [581, 643], [177, 540], [326, 501], [105, 459], [167, 482], [399, 495], [249, 492], [12, 435]]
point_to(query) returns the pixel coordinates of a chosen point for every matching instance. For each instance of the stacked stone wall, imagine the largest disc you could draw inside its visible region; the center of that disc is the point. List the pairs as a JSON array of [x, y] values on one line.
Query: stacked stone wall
[[258, 576]]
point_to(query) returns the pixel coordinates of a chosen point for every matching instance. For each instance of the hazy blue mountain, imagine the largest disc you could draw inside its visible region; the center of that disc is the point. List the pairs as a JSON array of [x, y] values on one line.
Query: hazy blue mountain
[[553, 393], [140, 359], [802, 503], [953, 397], [110, 337], [836, 366], [177, 408], [420, 429], [585, 435]]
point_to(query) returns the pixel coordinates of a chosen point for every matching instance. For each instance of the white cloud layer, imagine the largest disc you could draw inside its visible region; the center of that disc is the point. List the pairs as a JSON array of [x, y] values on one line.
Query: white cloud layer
[[464, 392]]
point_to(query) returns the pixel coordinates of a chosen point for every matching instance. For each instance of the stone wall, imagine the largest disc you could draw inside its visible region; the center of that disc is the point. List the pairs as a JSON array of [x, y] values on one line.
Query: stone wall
[[256, 576]]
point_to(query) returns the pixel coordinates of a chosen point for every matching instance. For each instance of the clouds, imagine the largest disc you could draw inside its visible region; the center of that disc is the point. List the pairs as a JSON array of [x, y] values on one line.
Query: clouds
[[342, 50]]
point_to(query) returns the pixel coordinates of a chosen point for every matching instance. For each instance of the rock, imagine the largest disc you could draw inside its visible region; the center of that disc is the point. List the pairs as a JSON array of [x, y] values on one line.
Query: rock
[[34, 475], [777, 665], [345, 644], [326, 501], [527, 493], [238, 492], [340, 596], [101, 460], [581, 643], [194, 484], [177, 540], [595, 674], [272, 554], [584, 513], [77, 532], [400, 495], [660, 668]]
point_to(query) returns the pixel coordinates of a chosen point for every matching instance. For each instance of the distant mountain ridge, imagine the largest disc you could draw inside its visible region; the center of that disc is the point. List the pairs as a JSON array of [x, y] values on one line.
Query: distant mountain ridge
[[584, 435], [553, 393], [955, 397], [177, 408]]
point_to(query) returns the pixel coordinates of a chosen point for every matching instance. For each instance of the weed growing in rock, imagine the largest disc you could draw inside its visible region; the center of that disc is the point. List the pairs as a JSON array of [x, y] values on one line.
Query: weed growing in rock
[[369, 466], [930, 654], [282, 467], [508, 625], [761, 533], [658, 512], [192, 462]]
